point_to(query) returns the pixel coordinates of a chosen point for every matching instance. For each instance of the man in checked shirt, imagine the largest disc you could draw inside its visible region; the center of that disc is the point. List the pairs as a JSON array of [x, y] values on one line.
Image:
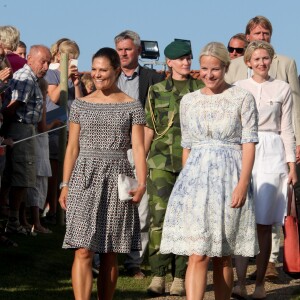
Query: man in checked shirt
[[24, 112]]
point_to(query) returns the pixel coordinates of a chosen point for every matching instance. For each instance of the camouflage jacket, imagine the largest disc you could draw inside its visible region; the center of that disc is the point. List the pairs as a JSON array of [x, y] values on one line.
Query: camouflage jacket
[[162, 116]]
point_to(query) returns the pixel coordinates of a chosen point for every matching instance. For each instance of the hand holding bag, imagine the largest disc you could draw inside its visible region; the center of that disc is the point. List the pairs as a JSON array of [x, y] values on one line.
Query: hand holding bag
[[125, 184], [291, 230]]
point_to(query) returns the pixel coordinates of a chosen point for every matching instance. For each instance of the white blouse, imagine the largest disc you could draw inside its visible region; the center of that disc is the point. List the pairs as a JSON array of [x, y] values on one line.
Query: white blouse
[[274, 104]]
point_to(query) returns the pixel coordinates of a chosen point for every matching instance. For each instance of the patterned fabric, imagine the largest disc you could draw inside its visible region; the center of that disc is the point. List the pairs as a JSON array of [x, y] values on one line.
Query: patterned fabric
[[164, 101], [96, 218], [25, 88], [159, 187], [199, 219]]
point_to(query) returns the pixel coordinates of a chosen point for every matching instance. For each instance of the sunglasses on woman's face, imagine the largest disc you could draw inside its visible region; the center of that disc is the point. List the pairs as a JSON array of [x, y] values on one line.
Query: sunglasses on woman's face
[[238, 50]]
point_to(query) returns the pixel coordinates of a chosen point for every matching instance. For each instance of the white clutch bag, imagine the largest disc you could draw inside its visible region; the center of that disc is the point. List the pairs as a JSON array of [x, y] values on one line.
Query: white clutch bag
[[125, 184]]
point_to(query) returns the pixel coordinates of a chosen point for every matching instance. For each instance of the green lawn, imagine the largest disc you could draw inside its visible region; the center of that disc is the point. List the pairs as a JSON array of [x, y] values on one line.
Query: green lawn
[[40, 270]]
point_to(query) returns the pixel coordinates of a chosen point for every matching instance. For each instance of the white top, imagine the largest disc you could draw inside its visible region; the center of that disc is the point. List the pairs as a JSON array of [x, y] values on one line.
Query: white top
[[274, 104]]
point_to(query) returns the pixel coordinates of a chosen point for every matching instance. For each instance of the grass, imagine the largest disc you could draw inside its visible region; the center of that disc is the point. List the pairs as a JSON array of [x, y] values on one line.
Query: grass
[[40, 270]]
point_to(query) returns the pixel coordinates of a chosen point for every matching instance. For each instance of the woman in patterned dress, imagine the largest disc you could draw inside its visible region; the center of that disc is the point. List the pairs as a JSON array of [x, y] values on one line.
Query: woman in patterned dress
[[210, 213], [102, 127]]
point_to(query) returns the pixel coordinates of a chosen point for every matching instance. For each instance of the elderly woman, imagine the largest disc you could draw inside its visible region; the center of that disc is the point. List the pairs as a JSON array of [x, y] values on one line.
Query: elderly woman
[[275, 158], [210, 212], [162, 137]]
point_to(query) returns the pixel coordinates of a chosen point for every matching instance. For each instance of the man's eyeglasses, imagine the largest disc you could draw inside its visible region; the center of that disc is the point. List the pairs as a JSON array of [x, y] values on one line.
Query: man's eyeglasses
[[238, 50]]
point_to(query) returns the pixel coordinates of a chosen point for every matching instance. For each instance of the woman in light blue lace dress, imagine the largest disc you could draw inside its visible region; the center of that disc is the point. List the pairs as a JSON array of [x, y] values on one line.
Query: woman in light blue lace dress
[[210, 212]]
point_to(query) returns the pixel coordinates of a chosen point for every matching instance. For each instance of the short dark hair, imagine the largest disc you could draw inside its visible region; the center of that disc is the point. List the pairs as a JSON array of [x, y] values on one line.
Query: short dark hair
[[109, 53], [22, 45]]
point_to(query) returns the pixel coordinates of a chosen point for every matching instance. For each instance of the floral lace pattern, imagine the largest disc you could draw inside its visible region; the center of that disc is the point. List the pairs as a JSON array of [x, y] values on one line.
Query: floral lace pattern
[[199, 218]]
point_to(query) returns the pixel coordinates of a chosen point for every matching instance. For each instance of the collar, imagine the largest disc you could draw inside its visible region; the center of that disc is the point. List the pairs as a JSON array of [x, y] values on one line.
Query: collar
[[170, 83], [134, 74], [31, 73]]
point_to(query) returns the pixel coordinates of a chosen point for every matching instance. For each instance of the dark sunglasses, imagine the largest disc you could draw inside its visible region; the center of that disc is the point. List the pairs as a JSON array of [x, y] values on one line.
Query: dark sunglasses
[[238, 50]]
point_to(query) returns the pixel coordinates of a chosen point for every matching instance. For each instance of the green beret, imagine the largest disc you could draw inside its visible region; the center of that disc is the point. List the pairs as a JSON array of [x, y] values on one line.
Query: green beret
[[177, 49]]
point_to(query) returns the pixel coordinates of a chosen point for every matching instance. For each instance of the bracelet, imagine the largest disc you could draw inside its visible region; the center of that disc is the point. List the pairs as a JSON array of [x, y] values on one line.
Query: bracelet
[[63, 184], [142, 185]]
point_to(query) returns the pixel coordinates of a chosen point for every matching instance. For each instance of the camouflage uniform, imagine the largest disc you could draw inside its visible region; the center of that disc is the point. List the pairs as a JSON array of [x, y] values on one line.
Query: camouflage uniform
[[164, 163]]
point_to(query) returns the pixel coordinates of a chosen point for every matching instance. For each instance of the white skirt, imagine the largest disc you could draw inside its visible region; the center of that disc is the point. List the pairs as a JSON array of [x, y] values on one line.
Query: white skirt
[[270, 176]]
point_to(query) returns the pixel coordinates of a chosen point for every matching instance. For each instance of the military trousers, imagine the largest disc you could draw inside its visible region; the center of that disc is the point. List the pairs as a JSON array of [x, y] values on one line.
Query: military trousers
[[159, 187]]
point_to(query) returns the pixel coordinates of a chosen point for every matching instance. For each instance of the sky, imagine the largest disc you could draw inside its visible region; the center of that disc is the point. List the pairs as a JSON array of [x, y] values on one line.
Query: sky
[[93, 24]]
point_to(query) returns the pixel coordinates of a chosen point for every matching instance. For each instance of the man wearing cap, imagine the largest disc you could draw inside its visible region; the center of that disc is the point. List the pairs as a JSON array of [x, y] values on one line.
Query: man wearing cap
[[162, 142]]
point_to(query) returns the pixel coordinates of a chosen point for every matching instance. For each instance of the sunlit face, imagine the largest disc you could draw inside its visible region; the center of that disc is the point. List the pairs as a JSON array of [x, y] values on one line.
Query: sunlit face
[[128, 53], [259, 33], [236, 44], [39, 61], [181, 67], [212, 72], [21, 52], [260, 63], [103, 74]]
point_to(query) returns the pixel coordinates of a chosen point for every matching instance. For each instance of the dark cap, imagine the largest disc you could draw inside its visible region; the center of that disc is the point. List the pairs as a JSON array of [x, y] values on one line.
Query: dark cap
[[177, 49]]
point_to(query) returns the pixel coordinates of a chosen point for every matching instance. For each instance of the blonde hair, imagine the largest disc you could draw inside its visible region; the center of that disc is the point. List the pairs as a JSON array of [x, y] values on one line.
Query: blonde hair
[[69, 47], [258, 45], [217, 50], [9, 37], [54, 48]]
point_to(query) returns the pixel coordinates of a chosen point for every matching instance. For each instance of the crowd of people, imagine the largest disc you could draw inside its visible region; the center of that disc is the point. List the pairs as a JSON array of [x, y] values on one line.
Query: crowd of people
[[212, 158]]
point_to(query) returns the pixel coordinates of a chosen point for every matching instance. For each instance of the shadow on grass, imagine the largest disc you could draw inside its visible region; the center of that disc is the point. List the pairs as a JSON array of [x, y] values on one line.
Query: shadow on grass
[[37, 269]]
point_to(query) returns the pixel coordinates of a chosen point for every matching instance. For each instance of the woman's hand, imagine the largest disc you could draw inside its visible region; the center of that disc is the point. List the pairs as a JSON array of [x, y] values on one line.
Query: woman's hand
[[74, 75], [292, 177], [63, 198], [137, 193], [239, 195], [5, 74]]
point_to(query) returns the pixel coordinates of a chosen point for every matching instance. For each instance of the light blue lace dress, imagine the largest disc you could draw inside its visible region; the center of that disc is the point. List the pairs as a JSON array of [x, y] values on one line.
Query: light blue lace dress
[[199, 219]]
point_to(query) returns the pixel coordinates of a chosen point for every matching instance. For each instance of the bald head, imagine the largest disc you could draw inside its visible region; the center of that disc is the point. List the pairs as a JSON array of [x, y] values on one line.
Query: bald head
[[38, 60]]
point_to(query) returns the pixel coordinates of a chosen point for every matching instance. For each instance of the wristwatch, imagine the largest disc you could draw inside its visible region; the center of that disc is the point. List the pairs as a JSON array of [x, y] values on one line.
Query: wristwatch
[[63, 184]]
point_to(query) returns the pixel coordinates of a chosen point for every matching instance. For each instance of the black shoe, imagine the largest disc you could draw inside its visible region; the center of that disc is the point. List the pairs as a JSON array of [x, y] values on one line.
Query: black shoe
[[136, 273], [49, 219]]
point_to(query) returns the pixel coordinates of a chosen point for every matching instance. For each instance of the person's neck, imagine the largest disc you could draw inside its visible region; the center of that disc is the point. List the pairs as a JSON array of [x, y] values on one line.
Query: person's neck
[[129, 72], [107, 92], [260, 79], [179, 77], [219, 90]]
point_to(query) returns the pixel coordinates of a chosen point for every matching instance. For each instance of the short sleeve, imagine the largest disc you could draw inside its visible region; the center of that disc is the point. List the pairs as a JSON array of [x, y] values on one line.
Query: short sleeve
[[75, 112], [184, 117], [52, 77], [249, 117], [21, 89], [138, 114]]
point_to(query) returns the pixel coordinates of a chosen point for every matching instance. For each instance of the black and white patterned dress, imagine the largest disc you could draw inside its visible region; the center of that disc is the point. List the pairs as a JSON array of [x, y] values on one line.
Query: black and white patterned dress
[[96, 218]]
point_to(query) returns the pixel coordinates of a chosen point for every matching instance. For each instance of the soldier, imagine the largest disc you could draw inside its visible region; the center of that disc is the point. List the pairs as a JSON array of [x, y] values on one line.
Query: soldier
[[163, 137]]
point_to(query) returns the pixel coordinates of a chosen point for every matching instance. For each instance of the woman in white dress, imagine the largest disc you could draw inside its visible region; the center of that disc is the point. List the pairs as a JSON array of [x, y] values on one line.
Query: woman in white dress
[[210, 212], [275, 158]]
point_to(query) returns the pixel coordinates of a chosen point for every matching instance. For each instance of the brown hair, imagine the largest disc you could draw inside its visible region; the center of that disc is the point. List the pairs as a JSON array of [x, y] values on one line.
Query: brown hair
[[259, 20]]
